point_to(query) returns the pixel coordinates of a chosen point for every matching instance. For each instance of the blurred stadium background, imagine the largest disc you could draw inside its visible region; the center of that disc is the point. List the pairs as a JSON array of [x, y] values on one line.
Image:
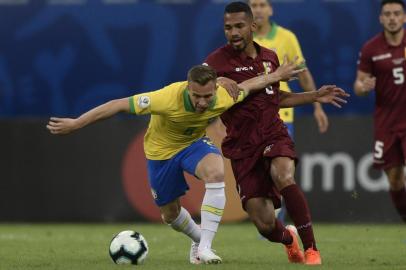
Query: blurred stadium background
[[62, 57]]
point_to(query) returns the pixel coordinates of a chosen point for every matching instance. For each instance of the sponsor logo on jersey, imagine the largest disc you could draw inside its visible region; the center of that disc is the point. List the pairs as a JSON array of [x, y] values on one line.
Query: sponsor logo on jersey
[[398, 61], [239, 69], [381, 57], [144, 102]]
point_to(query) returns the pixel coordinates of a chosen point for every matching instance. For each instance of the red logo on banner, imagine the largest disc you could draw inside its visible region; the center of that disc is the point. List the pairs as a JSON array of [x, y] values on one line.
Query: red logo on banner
[[138, 191], [140, 196]]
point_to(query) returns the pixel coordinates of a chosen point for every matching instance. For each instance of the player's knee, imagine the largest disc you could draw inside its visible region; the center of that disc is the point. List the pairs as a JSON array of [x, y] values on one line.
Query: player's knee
[[213, 175], [284, 179], [282, 172]]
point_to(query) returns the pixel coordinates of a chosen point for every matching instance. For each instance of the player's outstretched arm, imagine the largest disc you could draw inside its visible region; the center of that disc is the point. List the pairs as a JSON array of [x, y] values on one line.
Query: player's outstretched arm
[[285, 72], [307, 83], [67, 125], [326, 94], [364, 83]]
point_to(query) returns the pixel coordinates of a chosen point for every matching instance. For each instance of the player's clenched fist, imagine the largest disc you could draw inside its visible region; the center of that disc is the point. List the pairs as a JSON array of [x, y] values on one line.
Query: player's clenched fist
[[368, 84]]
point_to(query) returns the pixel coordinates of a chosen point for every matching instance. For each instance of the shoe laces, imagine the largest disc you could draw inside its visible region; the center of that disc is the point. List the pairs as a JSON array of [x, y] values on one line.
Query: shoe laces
[[311, 252], [195, 248]]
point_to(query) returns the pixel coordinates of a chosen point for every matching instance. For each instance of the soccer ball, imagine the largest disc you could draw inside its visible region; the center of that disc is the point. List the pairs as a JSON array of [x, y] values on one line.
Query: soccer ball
[[128, 247]]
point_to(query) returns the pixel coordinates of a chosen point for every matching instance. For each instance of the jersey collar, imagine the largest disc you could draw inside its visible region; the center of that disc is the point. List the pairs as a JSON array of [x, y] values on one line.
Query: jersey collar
[[242, 55], [187, 103], [271, 33], [390, 46]]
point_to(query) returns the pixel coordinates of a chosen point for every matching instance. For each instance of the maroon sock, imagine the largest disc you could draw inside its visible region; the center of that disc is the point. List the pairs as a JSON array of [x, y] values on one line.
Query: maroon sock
[[299, 212], [279, 234], [399, 200]]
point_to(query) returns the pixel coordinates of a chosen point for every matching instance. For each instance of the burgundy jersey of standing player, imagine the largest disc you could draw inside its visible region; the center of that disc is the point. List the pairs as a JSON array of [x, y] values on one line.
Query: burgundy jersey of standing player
[[388, 64], [255, 121]]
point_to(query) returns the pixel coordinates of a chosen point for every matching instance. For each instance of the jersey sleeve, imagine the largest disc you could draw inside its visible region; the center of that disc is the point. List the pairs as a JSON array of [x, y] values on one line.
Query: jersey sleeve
[[216, 61], [210, 61], [225, 100], [294, 48], [365, 61], [155, 102]]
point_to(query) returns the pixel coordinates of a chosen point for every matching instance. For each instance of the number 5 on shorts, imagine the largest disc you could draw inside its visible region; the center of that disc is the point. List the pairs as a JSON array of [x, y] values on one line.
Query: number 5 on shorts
[[378, 150]]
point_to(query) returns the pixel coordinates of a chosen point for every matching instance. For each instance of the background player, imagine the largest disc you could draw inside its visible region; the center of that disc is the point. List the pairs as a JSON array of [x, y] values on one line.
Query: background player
[[284, 43], [257, 143], [382, 67], [174, 143]]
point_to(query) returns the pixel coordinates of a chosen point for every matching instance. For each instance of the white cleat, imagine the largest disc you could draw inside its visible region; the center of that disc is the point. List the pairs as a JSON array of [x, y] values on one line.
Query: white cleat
[[193, 256], [207, 256]]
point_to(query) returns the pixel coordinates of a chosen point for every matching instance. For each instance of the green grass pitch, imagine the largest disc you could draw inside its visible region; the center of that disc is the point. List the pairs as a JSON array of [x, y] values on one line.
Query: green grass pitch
[[78, 246]]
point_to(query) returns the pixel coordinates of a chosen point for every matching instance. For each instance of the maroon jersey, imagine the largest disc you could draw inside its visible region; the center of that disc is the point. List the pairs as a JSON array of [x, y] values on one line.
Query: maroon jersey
[[387, 64], [253, 123]]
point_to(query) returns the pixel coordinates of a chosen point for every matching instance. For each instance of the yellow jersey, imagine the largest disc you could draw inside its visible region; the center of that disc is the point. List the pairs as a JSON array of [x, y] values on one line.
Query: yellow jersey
[[174, 124], [282, 42]]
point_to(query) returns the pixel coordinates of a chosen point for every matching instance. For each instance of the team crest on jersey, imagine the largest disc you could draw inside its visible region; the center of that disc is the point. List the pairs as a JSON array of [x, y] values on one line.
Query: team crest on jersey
[[267, 67], [144, 102]]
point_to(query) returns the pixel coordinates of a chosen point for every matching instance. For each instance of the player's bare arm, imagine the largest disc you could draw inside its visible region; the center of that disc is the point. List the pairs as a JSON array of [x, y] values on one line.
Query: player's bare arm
[[67, 125], [364, 83], [284, 72], [326, 94], [307, 83], [287, 71]]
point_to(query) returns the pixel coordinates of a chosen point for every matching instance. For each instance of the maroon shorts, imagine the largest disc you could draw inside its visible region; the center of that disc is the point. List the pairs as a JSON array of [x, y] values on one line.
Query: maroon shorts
[[252, 174], [389, 150]]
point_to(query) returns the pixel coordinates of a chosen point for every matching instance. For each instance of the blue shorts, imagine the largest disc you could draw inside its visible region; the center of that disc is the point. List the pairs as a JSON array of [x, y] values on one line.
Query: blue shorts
[[290, 129], [166, 176]]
